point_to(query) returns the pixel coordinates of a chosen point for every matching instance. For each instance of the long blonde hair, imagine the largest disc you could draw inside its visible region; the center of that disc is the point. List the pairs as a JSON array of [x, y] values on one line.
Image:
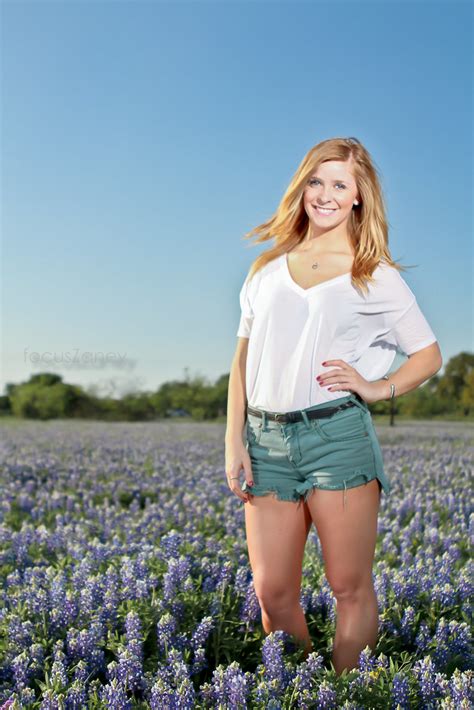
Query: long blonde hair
[[368, 229]]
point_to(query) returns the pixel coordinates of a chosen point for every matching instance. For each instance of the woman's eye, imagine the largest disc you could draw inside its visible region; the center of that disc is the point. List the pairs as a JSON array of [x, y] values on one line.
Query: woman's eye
[[314, 180]]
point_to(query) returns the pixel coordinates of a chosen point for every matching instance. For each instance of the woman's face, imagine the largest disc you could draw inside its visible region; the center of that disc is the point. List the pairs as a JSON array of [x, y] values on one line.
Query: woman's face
[[331, 187]]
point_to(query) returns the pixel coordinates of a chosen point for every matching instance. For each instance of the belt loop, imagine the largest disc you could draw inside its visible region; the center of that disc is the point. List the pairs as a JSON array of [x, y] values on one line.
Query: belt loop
[[305, 418], [359, 402], [264, 419]]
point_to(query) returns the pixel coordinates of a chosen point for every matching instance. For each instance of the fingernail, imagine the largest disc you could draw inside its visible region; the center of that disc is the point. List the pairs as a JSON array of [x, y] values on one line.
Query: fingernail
[[250, 483]]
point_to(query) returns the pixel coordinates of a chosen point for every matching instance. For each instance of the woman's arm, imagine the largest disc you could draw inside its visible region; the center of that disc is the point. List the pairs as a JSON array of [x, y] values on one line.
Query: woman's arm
[[419, 367], [236, 394]]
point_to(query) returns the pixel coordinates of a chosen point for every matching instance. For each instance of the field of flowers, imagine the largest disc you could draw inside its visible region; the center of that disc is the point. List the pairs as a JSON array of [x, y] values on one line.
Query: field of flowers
[[126, 581]]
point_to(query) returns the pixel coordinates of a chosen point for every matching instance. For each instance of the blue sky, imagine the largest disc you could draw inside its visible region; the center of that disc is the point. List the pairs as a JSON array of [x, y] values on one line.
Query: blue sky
[[141, 140]]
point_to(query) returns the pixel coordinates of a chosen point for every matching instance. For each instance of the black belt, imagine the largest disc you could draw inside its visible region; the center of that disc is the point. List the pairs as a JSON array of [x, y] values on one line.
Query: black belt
[[296, 416]]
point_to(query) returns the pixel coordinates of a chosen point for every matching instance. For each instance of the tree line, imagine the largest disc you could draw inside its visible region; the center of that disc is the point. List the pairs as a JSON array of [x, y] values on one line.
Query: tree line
[[45, 396]]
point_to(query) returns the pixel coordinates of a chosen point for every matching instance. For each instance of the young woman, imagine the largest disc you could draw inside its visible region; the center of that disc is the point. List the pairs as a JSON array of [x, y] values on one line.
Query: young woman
[[323, 313]]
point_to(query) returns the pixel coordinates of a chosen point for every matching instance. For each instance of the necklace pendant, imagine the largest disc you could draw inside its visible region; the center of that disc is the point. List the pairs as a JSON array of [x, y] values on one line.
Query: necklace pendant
[[315, 265]]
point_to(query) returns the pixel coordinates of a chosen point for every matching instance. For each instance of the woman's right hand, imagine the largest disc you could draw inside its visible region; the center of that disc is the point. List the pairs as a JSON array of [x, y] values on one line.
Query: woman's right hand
[[236, 459]]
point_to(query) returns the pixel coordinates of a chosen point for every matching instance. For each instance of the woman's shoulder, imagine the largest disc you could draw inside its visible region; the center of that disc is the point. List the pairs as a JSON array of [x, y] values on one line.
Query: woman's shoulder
[[389, 282], [385, 272], [268, 268]]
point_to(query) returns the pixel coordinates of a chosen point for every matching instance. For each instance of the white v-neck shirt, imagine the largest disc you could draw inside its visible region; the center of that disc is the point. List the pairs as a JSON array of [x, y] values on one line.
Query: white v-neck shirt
[[292, 330]]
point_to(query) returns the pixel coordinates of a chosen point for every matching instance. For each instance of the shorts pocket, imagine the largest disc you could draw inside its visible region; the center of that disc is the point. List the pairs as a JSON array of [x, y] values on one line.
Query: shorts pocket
[[342, 426], [253, 429]]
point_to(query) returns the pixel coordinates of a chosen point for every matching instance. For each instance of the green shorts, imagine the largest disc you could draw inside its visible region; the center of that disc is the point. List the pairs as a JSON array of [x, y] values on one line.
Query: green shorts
[[333, 453]]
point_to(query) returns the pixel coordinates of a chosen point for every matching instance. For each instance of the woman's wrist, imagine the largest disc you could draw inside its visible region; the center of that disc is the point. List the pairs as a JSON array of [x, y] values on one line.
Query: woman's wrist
[[388, 391]]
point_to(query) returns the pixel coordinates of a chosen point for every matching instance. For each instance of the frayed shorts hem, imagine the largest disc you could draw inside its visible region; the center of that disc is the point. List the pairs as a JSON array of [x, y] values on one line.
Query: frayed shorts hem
[[304, 489]]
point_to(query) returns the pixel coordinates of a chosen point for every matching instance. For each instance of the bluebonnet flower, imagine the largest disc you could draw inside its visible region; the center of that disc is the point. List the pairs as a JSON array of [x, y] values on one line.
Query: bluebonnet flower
[[366, 662], [178, 570], [115, 696], [423, 637], [165, 632], [250, 610], [201, 632], [407, 630], [400, 692], [80, 671], [85, 644], [428, 689], [324, 602], [235, 686], [129, 670], [465, 584], [306, 676], [306, 598], [133, 633], [275, 671], [242, 578], [225, 576], [21, 670], [461, 689], [173, 687], [326, 696], [58, 671]]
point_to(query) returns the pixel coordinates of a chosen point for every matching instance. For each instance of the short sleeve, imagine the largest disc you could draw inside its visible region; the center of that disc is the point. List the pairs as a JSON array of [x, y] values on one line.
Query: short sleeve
[[395, 318], [246, 315], [412, 332]]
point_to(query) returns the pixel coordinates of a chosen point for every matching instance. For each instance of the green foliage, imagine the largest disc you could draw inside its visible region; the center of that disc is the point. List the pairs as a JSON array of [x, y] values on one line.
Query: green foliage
[[455, 387], [45, 396]]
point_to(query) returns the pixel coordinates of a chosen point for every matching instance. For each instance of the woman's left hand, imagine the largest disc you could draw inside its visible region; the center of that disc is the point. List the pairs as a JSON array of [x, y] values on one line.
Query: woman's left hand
[[348, 379]]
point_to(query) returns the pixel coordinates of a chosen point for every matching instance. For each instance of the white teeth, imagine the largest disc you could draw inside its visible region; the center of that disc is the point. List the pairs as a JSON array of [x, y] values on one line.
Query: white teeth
[[324, 211]]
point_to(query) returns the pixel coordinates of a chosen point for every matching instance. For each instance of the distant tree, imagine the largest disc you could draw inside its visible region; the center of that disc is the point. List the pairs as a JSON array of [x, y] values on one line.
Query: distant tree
[[467, 393], [46, 396], [422, 403], [162, 399], [45, 379], [137, 407], [453, 381], [5, 405]]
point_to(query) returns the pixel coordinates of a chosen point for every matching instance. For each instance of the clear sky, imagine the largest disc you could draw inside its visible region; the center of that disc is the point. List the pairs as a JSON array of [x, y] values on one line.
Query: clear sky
[[141, 140]]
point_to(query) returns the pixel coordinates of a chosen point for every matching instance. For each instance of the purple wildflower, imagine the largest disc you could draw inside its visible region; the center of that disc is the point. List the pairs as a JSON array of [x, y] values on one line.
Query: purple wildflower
[[326, 697], [400, 692]]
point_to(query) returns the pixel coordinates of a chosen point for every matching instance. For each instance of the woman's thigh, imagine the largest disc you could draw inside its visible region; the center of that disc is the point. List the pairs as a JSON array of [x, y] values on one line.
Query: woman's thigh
[[276, 534], [347, 534]]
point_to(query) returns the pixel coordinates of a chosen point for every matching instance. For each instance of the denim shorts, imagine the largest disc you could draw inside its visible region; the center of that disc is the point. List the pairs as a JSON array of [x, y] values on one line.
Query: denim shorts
[[333, 453]]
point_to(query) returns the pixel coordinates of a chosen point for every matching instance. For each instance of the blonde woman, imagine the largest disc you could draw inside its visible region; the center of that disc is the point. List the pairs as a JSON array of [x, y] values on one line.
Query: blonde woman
[[323, 313]]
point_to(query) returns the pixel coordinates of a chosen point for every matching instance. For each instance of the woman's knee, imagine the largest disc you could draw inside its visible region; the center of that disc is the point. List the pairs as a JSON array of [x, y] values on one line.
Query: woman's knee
[[276, 597], [351, 588]]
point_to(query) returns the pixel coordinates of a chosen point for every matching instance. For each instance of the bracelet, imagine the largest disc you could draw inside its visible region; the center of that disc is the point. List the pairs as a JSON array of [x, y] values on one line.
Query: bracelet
[[392, 387]]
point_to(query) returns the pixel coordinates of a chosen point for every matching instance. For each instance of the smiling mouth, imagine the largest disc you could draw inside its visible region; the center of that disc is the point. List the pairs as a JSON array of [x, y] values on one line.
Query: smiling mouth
[[323, 211]]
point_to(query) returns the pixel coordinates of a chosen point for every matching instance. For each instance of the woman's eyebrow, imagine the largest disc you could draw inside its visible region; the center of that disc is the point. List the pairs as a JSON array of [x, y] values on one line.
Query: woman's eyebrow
[[342, 179]]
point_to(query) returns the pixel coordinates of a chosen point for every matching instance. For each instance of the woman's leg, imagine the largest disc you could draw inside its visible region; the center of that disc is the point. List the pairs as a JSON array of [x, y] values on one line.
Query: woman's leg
[[276, 536], [348, 536]]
